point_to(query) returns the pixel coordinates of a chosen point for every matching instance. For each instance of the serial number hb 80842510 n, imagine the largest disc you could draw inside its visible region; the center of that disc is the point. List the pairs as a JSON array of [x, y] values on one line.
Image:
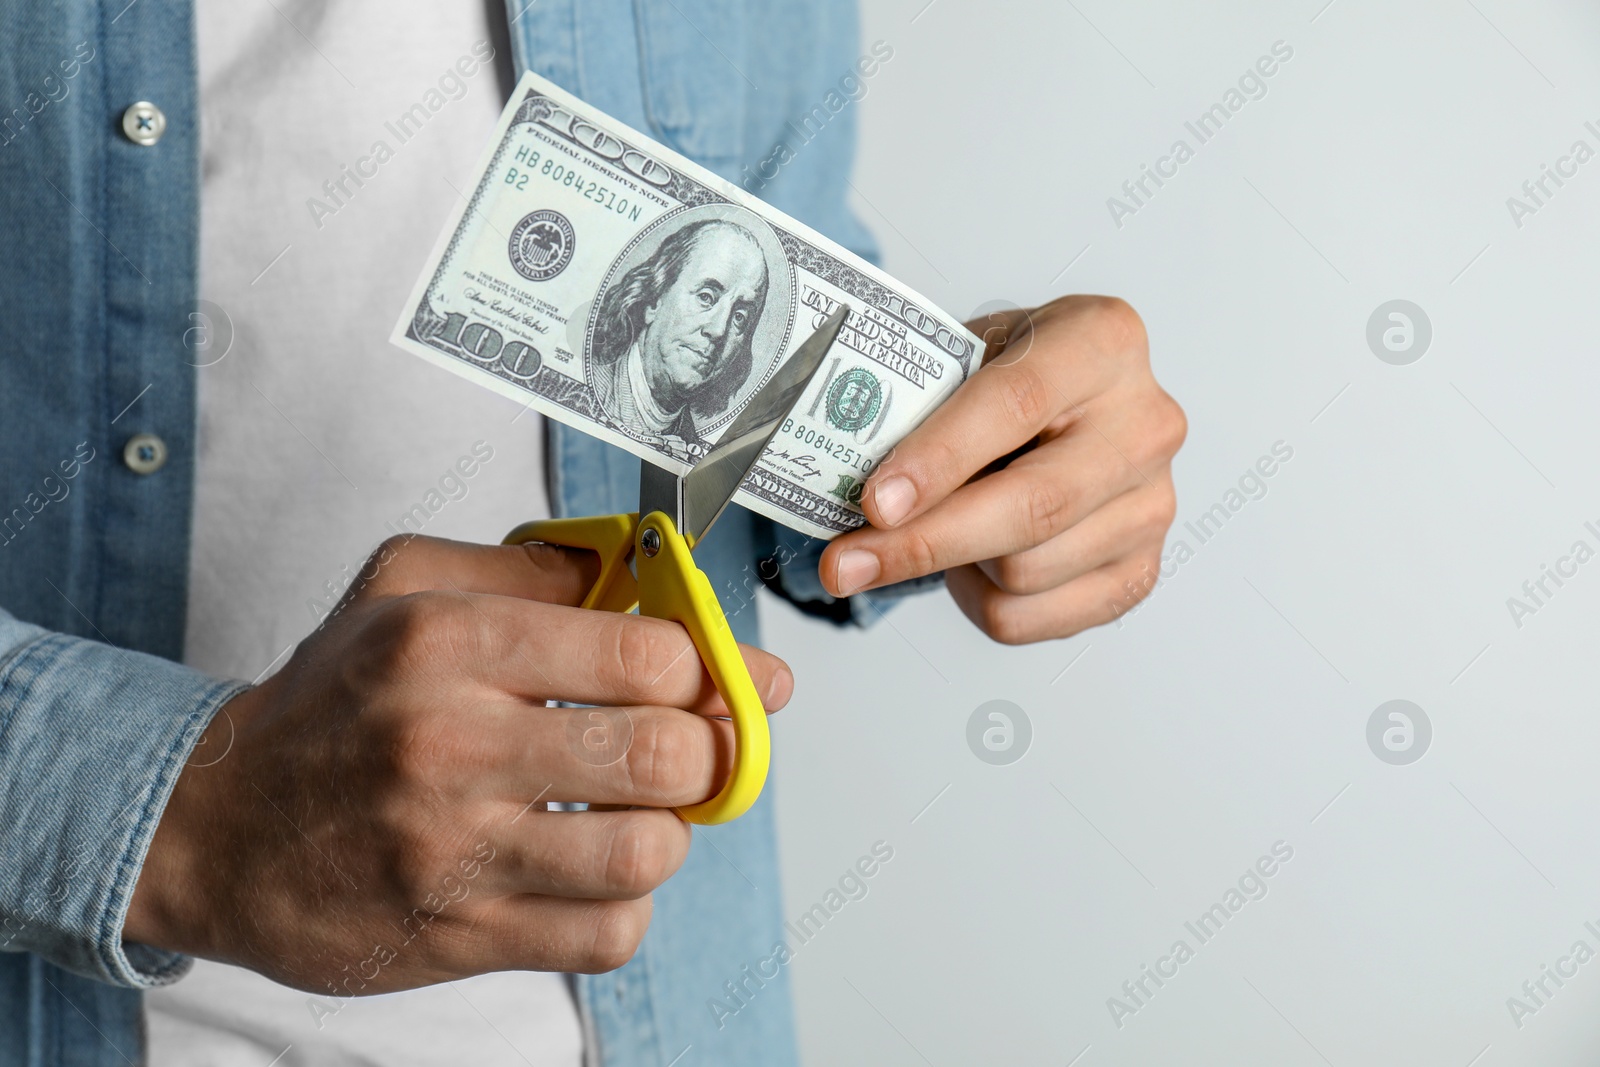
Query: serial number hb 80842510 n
[[825, 443], [532, 163]]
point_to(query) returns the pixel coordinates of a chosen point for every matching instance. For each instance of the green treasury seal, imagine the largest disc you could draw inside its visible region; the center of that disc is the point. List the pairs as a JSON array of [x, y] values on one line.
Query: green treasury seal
[[854, 399]]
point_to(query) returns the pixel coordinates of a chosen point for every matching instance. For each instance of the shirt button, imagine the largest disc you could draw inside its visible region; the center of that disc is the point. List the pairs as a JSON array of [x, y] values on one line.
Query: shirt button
[[144, 123], [145, 453]]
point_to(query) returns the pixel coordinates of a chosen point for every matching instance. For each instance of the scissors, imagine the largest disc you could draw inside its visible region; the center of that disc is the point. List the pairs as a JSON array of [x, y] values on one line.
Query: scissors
[[646, 560]]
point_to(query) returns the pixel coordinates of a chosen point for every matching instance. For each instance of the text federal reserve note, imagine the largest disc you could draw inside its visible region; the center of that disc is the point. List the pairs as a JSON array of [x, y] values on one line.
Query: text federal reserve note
[[608, 282]]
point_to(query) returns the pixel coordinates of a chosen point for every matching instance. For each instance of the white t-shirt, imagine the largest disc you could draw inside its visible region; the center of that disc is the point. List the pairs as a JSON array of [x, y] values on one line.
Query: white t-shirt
[[317, 438]]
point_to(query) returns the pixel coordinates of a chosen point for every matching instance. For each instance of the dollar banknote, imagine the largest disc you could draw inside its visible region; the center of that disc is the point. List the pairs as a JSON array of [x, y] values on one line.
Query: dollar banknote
[[605, 281]]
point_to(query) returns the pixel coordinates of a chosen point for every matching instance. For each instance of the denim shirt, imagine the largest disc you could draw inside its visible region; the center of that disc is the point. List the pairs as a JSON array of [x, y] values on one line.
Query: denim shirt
[[97, 717]]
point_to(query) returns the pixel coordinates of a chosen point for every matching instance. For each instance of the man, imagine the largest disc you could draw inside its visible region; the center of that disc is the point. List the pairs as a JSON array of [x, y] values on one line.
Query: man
[[374, 815], [672, 341]]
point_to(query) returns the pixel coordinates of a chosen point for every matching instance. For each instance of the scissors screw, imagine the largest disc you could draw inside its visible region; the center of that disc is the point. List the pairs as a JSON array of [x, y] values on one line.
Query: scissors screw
[[650, 541]]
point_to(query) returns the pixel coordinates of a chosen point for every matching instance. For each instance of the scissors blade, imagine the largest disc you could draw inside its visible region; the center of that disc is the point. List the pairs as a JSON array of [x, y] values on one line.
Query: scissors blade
[[713, 481]]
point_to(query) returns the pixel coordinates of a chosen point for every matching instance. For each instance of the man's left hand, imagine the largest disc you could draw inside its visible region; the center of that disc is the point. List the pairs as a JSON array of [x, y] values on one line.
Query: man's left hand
[[1042, 487]]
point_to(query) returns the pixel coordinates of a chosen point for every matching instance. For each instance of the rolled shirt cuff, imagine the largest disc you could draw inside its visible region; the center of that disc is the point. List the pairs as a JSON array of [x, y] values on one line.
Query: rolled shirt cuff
[[92, 740]]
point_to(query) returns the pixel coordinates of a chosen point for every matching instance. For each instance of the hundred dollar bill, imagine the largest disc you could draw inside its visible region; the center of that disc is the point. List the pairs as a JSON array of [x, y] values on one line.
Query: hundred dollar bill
[[608, 282]]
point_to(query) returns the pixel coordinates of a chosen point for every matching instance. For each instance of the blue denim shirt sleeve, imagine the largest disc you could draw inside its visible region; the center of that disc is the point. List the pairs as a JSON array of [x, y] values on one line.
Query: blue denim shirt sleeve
[[92, 739]]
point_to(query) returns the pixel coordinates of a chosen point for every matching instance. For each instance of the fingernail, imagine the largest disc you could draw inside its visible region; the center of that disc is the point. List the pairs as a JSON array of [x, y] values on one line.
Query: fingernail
[[856, 570], [895, 498], [781, 689]]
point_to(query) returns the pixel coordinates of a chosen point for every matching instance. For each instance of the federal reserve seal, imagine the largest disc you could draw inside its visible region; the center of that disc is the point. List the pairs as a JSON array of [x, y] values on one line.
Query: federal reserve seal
[[541, 245], [854, 399]]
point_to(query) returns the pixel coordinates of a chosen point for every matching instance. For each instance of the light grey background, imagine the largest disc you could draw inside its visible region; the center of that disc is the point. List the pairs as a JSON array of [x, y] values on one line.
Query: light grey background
[[1231, 712]]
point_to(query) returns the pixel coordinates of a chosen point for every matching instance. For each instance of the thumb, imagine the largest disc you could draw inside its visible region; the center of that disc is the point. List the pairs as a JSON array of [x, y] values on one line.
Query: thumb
[[413, 564]]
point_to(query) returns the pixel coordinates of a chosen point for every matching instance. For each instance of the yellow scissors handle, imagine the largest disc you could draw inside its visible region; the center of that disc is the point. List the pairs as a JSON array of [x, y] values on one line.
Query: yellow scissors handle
[[609, 535], [672, 587]]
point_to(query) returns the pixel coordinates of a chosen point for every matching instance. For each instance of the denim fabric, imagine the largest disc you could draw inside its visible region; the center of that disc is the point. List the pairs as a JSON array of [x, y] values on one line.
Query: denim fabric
[[70, 862], [694, 91], [100, 239], [99, 276]]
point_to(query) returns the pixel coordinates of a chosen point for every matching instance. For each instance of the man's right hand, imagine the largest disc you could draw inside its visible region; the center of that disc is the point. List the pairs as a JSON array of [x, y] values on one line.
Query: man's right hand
[[378, 820]]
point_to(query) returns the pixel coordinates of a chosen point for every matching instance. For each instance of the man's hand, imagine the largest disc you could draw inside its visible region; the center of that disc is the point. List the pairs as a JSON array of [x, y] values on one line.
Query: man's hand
[[1042, 487], [374, 817]]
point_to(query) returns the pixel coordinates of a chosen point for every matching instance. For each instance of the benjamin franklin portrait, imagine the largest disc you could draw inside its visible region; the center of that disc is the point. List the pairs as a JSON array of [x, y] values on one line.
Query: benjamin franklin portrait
[[674, 335]]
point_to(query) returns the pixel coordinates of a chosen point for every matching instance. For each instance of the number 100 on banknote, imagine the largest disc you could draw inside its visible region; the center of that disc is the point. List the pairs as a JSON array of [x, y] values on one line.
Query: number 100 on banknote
[[609, 283]]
